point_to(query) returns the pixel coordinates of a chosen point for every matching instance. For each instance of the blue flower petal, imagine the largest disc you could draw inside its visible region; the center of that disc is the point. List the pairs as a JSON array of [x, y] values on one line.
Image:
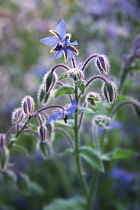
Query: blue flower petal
[[58, 54], [52, 40], [74, 43], [69, 52], [72, 109], [67, 43], [61, 29], [54, 116]]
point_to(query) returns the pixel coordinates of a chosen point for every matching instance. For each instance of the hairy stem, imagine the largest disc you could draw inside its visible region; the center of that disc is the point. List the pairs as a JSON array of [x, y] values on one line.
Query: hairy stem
[[81, 117], [118, 106], [93, 189], [96, 77], [94, 183], [88, 61], [78, 161], [49, 107], [66, 135], [59, 65], [23, 127], [39, 119]]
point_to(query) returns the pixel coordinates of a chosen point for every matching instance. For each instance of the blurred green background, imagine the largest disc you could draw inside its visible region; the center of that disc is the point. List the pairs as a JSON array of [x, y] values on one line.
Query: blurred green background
[[105, 27]]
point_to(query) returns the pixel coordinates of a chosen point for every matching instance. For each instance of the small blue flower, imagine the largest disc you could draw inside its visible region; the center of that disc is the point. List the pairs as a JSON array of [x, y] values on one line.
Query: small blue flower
[[62, 43], [68, 110]]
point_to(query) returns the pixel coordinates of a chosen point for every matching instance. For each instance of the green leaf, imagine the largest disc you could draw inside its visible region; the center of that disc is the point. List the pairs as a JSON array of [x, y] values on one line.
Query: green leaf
[[92, 157], [10, 177], [124, 154], [63, 76], [67, 152], [64, 90], [81, 85], [19, 148], [69, 204], [85, 110], [119, 154]]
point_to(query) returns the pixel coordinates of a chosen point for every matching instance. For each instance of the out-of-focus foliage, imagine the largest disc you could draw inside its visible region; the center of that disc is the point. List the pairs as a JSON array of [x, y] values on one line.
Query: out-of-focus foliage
[[106, 27]]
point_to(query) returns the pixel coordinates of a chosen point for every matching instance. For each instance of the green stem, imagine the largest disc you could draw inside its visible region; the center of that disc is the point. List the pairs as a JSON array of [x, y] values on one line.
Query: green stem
[[77, 143], [94, 183], [93, 189], [78, 161]]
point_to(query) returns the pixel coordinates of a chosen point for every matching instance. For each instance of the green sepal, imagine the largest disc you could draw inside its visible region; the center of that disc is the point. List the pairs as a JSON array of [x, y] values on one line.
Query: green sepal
[[63, 76]]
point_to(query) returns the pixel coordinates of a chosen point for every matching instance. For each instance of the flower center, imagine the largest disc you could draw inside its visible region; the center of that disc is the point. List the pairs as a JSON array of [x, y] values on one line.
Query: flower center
[[59, 46]]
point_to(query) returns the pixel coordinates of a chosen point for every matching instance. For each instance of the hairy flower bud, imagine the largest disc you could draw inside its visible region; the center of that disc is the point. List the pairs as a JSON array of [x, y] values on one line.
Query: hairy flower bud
[[102, 120], [48, 81], [2, 140], [4, 157], [18, 116], [93, 98], [110, 91], [76, 74], [42, 96], [45, 149], [28, 104], [102, 64], [42, 133]]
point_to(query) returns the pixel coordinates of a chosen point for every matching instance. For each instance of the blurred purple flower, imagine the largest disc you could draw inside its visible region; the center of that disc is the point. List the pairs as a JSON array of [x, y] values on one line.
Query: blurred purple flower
[[69, 109], [62, 43], [124, 181]]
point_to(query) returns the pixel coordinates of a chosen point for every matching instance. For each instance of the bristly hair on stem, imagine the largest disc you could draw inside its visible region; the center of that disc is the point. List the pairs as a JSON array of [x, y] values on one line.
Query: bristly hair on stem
[[59, 65], [96, 77], [88, 61]]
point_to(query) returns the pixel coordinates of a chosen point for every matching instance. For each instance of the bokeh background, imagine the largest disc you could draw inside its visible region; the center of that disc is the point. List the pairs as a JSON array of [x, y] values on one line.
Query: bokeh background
[[107, 27]]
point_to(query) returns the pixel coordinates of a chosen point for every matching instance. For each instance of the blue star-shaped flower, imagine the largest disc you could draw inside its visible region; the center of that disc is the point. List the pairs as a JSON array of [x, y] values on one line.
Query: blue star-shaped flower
[[69, 109], [62, 43]]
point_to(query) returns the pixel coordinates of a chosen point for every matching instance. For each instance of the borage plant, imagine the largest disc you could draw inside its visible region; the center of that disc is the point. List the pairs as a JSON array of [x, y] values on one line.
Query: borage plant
[[81, 102]]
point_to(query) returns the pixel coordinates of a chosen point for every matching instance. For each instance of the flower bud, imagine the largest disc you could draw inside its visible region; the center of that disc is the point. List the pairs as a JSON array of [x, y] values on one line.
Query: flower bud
[[48, 81], [4, 158], [102, 64], [2, 140], [42, 133], [18, 116], [93, 98], [110, 91], [76, 74], [102, 120], [42, 96], [45, 149], [28, 105]]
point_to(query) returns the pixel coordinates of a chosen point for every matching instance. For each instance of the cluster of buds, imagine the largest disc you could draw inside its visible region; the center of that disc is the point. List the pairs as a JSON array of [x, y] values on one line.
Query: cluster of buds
[[93, 98], [4, 152], [76, 74], [27, 108], [102, 64], [110, 91]]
